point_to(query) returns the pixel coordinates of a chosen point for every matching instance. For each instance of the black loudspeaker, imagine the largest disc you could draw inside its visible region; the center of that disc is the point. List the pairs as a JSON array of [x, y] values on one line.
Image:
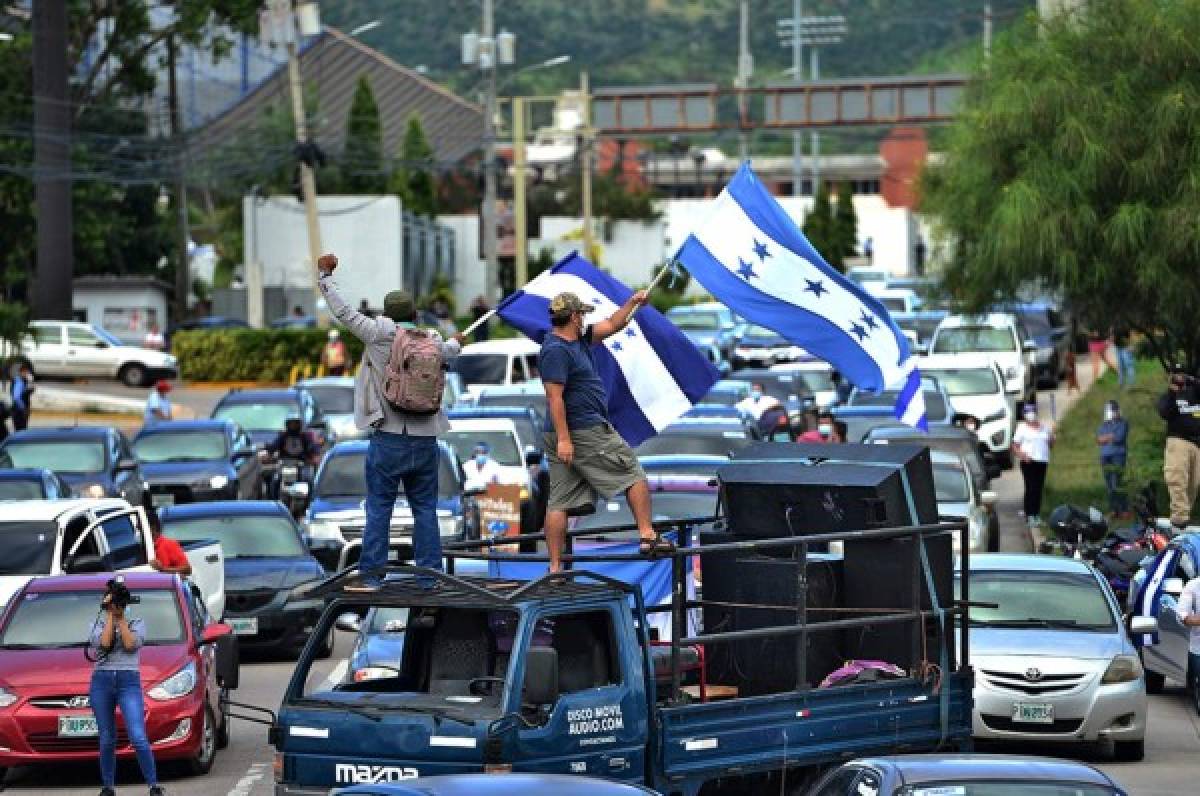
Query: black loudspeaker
[[767, 665]]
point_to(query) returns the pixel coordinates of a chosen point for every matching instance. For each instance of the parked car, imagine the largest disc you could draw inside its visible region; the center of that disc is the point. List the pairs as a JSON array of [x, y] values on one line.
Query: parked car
[[896, 299], [501, 437], [530, 394], [965, 775], [195, 460], [265, 558], [1001, 336], [708, 325], [958, 497], [816, 377], [951, 439], [262, 412], [865, 410], [524, 406], [674, 497], [975, 386], [209, 322], [71, 349], [83, 535], [95, 461], [919, 326], [705, 436], [492, 362], [33, 483], [335, 518], [1169, 656], [727, 392], [682, 464], [1051, 334], [335, 404], [1053, 662], [45, 676], [786, 385], [760, 347], [868, 276]]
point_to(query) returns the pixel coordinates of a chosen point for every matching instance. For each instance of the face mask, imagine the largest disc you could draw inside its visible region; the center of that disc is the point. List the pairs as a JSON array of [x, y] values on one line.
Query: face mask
[[755, 395], [1030, 417], [1110, 414], [824, 430], [481, 459]]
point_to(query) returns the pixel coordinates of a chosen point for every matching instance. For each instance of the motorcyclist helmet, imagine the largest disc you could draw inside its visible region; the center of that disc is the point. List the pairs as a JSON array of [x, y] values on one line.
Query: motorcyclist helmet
[[293, 423]]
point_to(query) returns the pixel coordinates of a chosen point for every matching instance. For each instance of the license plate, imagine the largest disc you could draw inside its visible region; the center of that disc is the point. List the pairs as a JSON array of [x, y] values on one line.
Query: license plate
[[77, 727], [244, 627], [1033, 713], [160, 499]]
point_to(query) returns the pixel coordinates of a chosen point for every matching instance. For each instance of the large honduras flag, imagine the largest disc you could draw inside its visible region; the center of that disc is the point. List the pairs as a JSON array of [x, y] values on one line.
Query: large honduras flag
[[752, 257], [652, 373]]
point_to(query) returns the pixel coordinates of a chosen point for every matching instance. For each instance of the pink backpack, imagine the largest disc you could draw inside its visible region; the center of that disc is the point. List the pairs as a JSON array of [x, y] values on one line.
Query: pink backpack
[[415, 375]]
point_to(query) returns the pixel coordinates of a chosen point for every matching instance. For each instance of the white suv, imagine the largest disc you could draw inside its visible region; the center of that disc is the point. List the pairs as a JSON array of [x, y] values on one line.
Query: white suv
[[975, 385], [1000, 336], [78, 350]]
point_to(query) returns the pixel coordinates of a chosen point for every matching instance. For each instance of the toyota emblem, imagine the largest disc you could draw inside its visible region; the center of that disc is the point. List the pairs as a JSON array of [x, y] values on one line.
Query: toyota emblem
[[1033, 675], [80, 701]]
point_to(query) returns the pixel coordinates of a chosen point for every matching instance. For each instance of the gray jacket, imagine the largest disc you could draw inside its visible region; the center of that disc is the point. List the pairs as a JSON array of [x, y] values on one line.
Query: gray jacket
[[371, 410]]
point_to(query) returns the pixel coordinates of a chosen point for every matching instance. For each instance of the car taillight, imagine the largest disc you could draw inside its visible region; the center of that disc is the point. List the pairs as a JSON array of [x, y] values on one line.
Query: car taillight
[[277, 766]]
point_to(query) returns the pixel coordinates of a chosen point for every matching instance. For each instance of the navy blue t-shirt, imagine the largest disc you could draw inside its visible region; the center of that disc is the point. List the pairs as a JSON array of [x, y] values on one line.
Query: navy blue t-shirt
[[571, 364]]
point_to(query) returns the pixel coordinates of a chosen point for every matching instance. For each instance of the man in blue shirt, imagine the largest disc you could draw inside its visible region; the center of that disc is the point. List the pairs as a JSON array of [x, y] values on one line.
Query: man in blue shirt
[[1111, 436], [158, 406], [22, 391], [587, 456]]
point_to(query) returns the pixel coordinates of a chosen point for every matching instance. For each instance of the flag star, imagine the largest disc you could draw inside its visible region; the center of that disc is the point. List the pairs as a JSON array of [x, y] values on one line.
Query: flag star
[[869, 320], [858, 330], [816, 287], [746, 271], [631, 332], [616, 345], [761, 250]]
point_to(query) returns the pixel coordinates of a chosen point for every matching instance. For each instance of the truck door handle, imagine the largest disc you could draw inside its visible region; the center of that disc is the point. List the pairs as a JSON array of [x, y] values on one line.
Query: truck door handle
[[212, 558]]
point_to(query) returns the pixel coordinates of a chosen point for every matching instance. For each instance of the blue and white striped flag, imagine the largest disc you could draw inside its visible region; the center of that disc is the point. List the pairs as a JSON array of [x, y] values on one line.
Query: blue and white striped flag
[[651, 372], [752, 257]]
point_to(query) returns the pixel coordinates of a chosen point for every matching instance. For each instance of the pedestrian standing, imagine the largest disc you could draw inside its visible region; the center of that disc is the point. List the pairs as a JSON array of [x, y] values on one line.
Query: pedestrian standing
[[1031, 446], [402, 450], [158, 407], [22, 395], [868, 249], [1125, 365], [587, 456], [479, 308], [1112, 436], [1098, 352], [333, 355], [154, 339], [1188, 609], [1072, 373], [919, 252], [1180, 407]]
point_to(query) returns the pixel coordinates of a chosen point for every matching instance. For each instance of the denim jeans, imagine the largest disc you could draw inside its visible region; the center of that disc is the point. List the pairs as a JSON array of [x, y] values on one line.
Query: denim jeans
[[1193, 672], [1113, 467], [124, 688], [395, 460], [1125, 368]]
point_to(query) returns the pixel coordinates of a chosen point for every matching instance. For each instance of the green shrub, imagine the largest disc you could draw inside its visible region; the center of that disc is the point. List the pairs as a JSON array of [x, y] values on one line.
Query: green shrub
[[260, 355]]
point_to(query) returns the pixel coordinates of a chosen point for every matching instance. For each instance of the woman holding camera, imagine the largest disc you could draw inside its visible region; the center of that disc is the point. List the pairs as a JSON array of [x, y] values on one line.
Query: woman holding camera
[[116, 641]]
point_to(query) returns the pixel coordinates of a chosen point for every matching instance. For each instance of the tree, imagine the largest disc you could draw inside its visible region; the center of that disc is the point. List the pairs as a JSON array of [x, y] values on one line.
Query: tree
[[362, 158], [1074, 167], [412, 177], [820, 229], [845, 221]]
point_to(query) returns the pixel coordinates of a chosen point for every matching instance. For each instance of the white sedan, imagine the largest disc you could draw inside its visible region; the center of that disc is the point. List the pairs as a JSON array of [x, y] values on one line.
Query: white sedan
[[957, 497]]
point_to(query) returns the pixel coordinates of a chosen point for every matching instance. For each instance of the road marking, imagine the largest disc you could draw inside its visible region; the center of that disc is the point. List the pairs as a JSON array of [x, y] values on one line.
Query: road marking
[[247, 783]]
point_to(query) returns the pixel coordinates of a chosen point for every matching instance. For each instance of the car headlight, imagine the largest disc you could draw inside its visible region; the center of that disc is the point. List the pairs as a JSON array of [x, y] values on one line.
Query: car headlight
[[992, 418], [177, 685], [93, 490], [324, 529], [7, 697], [1010, 372], [219, 481], [1123, 669]]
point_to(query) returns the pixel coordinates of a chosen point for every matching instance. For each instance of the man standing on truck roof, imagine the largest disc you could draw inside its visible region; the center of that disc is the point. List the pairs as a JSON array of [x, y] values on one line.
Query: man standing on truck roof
[[587, 456], [403, 446]]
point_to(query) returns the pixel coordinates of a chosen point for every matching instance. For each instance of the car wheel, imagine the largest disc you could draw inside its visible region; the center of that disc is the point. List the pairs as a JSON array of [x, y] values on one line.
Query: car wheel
[[1155, 682], [132, 375], [203, 761], [223, 727], [1129, 751]]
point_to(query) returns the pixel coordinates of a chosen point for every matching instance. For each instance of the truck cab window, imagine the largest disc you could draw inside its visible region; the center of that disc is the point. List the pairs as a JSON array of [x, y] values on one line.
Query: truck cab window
[[125, 543], [88, 553], [586, 649]]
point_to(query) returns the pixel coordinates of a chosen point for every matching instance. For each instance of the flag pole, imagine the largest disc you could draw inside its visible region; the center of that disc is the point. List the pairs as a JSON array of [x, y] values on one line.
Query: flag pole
[[480, 321], [652, 285]]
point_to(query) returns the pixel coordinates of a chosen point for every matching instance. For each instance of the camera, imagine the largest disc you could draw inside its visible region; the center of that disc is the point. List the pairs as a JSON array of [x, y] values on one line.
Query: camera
[[118, 593]]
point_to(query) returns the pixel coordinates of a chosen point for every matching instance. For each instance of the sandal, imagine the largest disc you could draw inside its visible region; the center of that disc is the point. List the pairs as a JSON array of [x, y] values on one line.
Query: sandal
[[655, 547]]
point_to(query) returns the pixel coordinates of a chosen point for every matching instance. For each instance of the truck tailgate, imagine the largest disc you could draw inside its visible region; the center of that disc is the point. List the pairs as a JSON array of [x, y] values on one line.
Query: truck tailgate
[[810, 727], [208, 573]]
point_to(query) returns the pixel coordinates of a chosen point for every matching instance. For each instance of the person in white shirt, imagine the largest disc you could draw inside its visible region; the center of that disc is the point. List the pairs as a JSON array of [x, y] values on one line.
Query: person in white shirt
[[1188, 609], [1031, 445], [757, 402], [154, 339], [481, 469]]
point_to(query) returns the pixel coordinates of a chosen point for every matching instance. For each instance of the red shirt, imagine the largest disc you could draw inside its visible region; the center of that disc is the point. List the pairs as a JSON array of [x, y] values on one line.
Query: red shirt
[[169, 553]]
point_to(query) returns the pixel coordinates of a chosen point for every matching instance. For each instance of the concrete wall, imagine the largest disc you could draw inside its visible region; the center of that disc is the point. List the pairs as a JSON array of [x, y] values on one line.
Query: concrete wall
[[125, 312], [469, 272]]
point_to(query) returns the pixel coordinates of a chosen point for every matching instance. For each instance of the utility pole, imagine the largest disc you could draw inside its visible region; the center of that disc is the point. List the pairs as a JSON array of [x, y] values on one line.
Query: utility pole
[[488, 216], [51, 294], [814, 138], [585, 161], [813, 31], [182, 276], [797, 75], [744, 72], [520, 255], [987, 33]]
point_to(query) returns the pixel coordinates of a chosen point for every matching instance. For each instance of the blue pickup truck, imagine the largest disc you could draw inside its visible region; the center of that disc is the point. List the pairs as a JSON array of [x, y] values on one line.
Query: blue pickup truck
[[560, 675]]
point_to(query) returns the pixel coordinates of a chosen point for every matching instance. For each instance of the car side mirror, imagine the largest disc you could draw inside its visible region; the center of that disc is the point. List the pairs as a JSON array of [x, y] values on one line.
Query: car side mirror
[[349, 623], [989, 498], [214, 632], [1140, 625], [127, 465], [541, 676], [533, 457], [1173, 586]]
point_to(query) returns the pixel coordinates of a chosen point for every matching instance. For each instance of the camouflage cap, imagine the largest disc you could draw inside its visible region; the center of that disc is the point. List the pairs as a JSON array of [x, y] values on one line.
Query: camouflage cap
[[568, 302], [399, 306]]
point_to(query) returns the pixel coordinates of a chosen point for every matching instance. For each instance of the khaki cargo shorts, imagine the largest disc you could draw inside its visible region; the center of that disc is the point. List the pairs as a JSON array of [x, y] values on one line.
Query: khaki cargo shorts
[[604, 465]]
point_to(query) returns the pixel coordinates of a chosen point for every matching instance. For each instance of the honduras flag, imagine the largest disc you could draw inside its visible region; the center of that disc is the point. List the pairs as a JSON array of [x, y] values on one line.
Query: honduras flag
[[651, 372], [751, 256]]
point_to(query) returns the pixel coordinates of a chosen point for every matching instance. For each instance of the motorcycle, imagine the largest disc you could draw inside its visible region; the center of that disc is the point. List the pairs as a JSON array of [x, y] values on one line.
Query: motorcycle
[[289, 481]]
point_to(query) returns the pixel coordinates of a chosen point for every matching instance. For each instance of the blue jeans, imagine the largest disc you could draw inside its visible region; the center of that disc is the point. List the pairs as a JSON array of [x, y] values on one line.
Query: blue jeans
[[1113, 467], [108, 690], [394, 460], [1193, 672], [1125, 370]]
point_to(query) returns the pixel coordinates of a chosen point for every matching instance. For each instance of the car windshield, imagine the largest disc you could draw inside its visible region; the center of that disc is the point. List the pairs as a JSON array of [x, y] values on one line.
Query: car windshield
[[816, 380], [180, 446], [64, 619], [950, 483], [723, 396], [28, 547], [536, 401], [665, 506], [345, 476], [502, 444], [935, 407], [1037, 599], [60, 456], [695, 321], [27, 489], [972, 381], [973, 338], [106, 336], [1037, 322], [482, 368], [1008, 787], [760, 331], [241, 536], [333, 400], [894, 303], [719, 444], [256, 417]]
